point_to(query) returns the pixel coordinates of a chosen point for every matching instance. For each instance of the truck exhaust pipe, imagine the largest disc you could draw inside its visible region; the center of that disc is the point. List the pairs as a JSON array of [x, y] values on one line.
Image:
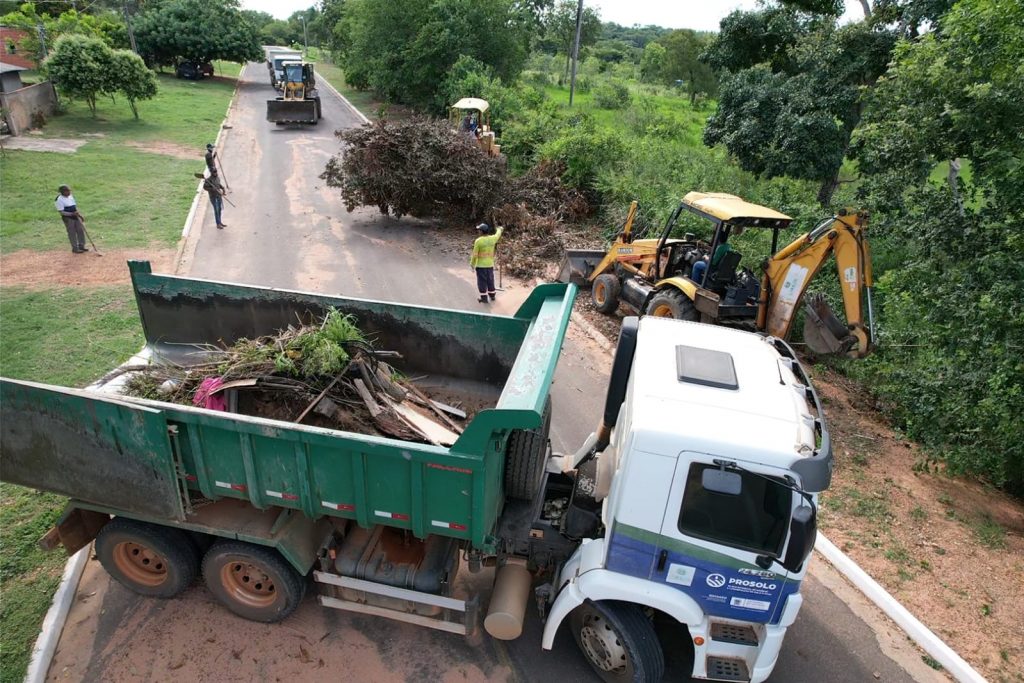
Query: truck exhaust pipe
[[621, 367], [507, 610]]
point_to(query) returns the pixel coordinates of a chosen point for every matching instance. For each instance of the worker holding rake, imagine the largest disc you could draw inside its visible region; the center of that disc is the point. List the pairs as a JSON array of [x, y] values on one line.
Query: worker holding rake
[[73, 221]]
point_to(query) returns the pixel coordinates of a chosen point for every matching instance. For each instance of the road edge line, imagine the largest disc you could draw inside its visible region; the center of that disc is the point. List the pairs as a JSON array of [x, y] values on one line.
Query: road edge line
[[922, 636], [953, 663], [344, 99], [186, 229], [56, 616]]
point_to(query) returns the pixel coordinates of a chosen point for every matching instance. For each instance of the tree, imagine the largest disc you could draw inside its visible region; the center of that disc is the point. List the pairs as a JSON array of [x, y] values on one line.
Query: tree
[[405, 50], [560, 28], [69, 22], [127, 74], [652, 63], [198, 31], [682, 63], [953, 311], [791, 93], [78, 66]]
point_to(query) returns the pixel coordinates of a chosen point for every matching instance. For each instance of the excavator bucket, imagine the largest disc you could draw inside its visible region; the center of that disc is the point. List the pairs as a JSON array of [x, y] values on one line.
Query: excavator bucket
[[291, 111], [579, 264], [824, 334]]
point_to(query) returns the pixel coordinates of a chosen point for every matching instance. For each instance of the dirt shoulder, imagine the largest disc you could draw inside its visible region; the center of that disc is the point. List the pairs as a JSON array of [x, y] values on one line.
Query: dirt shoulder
[[950, 550], [37, 270]]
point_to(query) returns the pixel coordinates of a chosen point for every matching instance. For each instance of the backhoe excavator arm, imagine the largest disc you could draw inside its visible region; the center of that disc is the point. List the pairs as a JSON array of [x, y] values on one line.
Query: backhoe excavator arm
[[788, 274]]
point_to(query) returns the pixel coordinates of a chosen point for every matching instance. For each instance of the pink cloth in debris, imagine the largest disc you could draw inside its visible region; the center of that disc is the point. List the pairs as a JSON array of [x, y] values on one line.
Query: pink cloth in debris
[[205, 398]]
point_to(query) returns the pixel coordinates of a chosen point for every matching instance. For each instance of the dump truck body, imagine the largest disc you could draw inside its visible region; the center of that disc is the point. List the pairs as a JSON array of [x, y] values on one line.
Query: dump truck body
[[149, 459]]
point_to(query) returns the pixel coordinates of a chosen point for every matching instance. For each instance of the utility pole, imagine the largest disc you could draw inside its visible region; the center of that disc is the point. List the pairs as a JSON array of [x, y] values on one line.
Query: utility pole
[[305, 38], [576, 49], [131, 31]]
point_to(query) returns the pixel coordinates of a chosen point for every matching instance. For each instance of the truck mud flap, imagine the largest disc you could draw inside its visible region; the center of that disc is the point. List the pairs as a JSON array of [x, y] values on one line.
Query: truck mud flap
[[291, 111]]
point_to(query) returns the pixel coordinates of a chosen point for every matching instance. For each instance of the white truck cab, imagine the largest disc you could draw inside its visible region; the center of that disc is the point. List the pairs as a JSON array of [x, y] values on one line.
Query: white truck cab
[[707, 493]]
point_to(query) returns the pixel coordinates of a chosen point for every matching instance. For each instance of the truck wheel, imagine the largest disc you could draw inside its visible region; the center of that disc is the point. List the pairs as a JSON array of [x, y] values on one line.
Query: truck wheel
[[319, 110], [524, 458], [619, 642], [252, 581], [605, 293], [671, 303], [148, 559]]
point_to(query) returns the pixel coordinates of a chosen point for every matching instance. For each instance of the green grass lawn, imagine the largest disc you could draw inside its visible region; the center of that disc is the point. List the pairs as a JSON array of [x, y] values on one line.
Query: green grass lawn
[[70, 336], [363, 100]]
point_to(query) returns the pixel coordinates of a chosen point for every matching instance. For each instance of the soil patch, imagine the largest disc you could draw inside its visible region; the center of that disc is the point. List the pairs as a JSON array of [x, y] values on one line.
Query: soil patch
[[30, 144], [171, 149], [60, 268]]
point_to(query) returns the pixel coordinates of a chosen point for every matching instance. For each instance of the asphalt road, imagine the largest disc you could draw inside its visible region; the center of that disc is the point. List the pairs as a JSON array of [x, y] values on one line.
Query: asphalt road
[[289, 230]]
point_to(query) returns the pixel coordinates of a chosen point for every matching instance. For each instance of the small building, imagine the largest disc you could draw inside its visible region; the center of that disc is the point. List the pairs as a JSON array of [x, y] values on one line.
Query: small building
[[10, 77], [10, 48]]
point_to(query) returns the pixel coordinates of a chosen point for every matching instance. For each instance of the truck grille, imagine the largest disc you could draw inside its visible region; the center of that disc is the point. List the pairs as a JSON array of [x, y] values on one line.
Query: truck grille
[[723, 669], [733, 633]]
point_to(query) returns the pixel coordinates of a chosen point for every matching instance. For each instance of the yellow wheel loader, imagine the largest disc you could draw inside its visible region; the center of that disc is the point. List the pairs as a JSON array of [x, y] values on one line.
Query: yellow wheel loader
[[299, 101], [689, 279]]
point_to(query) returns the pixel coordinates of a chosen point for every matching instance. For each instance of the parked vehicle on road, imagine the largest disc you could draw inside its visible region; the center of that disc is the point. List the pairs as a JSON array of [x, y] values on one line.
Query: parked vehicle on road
[[695, 499]]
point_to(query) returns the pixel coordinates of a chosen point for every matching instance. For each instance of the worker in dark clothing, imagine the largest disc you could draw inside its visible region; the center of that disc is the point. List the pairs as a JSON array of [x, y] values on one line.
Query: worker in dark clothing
[[211, 184], [211, 159], [68, 209], [482, 260]]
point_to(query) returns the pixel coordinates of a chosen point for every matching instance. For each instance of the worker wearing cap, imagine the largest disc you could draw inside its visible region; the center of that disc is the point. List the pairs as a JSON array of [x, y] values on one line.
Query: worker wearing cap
[[211, 157], [68, 209], [483, 260]]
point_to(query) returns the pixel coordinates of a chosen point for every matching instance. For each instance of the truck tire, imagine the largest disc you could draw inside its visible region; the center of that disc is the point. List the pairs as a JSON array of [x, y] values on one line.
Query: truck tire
[[254, 582], [149, 559], [319, 110], [618, 641], [605, 293], [524, 458], [671, 303]]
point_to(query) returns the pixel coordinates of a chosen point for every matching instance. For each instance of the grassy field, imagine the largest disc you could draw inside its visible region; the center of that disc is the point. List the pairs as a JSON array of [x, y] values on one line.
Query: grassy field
[[363, 100], [133, 193]]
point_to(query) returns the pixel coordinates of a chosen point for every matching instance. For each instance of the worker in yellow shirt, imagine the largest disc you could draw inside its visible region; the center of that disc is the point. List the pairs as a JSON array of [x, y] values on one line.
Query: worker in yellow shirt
[[483, 260]]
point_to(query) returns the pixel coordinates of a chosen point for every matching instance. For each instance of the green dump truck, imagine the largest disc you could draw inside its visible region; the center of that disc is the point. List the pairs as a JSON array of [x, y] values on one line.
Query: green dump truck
[[696, 500]]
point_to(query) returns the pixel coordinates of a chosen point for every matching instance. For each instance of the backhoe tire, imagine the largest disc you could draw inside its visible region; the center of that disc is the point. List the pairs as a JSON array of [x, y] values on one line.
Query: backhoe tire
[[252, 581], [525, 456], [319, 110], [618, 641], [671, 303], [148, 559], [605, 293]]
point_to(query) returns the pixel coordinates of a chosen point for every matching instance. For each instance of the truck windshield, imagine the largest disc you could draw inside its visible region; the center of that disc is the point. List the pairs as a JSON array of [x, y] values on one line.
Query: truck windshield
[[756, 519]]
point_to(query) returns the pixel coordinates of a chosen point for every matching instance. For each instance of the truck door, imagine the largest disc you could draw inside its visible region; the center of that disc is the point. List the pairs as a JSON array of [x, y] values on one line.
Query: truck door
[[89, 446], [709, 543]]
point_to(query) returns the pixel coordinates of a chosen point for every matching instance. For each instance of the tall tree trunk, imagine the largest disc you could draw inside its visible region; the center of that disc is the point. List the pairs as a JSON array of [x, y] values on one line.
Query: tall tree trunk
[[135, 110], [866, 5], [568, 57], [953, 178], [828, 188]]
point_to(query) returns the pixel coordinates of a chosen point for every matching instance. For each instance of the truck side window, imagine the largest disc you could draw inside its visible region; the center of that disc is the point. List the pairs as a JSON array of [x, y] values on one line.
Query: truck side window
[[754, 520]]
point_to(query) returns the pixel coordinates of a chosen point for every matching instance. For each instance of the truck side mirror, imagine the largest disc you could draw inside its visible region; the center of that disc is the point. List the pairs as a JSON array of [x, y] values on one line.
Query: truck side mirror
[[803, 530], [722, 481]]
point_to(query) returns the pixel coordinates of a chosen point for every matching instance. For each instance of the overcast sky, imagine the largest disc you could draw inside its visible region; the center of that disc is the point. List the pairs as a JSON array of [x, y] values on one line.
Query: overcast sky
[[702, 15]]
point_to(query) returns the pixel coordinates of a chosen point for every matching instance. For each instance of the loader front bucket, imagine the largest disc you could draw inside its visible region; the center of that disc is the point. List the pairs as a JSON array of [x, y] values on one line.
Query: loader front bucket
[[824, 333], [578, 265], [291, 111]]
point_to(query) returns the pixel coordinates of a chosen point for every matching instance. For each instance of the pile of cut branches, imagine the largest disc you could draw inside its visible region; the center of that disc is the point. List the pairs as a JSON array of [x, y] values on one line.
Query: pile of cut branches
[[418, 167], [328, 374]]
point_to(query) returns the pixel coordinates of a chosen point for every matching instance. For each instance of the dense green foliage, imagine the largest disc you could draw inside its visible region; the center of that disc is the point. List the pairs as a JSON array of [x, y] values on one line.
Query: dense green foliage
[[951, 364], [105, 26], [198, 31], [84, 68]]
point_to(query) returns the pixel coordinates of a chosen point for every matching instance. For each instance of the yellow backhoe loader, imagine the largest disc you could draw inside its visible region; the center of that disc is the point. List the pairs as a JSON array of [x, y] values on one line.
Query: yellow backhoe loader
[[299, 101], [690, 279]]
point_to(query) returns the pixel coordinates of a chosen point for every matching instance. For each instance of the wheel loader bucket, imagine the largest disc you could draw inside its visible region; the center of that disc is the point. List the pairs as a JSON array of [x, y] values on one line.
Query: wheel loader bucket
[[824, 334], [578, 265], [291, 111]]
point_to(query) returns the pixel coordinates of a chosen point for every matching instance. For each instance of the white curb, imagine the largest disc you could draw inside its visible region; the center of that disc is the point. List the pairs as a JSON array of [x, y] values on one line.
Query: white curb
[[918, 632], [53, 624]]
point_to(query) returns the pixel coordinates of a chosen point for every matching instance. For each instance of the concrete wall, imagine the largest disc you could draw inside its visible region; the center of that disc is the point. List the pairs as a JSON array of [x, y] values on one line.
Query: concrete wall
[[22, 105]]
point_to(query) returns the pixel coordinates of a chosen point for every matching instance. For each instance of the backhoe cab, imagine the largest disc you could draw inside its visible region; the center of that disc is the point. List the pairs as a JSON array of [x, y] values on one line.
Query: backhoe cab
[[471, 115], [690, 279]]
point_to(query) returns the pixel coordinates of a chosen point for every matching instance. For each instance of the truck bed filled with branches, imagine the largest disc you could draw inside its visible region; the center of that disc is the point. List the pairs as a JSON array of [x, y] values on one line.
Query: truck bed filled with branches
[[326, 374]]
